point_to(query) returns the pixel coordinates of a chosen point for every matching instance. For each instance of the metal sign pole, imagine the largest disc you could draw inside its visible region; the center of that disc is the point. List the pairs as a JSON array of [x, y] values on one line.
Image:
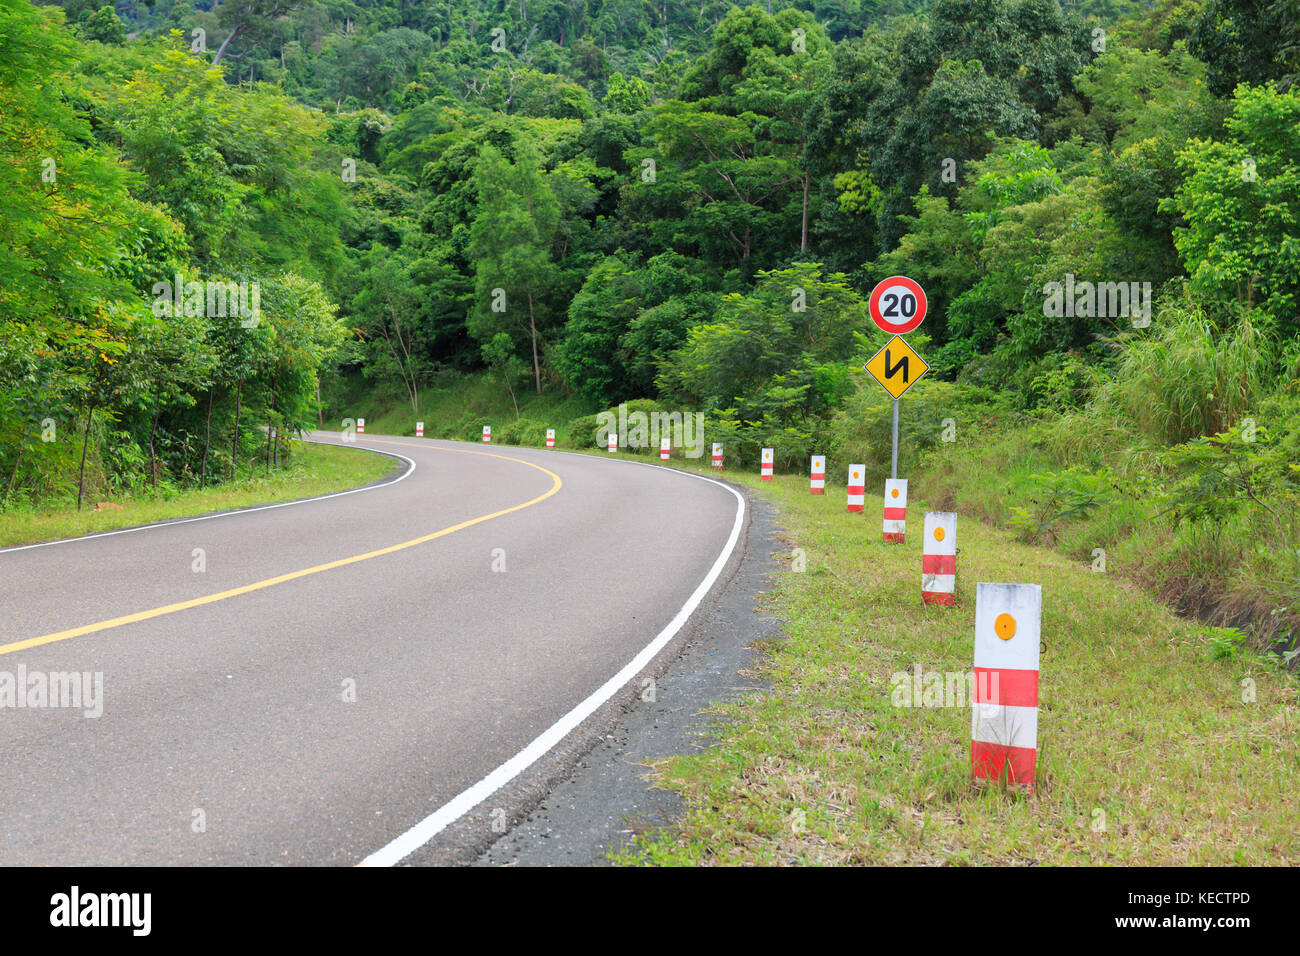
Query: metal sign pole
[[893, 463]]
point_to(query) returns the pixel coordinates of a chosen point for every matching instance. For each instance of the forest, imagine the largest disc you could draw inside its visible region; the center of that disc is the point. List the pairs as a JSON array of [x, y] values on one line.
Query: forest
[[682, 206]]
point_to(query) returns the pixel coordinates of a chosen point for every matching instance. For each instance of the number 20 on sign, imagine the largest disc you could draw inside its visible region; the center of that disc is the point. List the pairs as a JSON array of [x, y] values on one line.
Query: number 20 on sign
[[897, 305]]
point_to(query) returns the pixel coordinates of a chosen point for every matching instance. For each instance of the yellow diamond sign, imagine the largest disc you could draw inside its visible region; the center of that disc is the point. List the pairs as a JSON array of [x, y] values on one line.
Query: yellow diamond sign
[[896, 367]]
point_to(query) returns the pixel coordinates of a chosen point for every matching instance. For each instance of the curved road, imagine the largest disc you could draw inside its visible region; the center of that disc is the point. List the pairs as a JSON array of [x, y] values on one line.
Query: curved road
[[230, 647]]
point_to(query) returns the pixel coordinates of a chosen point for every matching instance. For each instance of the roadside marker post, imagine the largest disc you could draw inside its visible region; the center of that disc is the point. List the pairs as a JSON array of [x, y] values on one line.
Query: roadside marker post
[[939, 558], [550, 438], [487, 434], [665, 449], [857, 487], [717, 454], [613, 443], [894, 527], [765, 466], [818, 474], [1004, 720], [419, 429], [361, 426]]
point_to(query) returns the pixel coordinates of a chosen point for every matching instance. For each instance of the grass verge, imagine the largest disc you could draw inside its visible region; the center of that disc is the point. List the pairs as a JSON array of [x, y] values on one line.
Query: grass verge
[[455, 407], [1150, 748], [314, 470]]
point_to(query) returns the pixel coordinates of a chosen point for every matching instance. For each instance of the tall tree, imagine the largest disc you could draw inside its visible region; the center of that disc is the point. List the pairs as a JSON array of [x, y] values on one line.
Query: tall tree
[[1241, 203], [249, 18], [511, 241], [1248, 41]]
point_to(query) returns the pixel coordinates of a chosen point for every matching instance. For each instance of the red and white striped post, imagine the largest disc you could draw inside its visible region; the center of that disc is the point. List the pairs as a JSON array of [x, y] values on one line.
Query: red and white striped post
[[765, 466], [1004, 722], [939, 558], [717, 454], [895, 524], [361, 426], [419, 429], [665, 449], [487, 434], [819, 474], [857, 487], [613, 443], [550, 438]]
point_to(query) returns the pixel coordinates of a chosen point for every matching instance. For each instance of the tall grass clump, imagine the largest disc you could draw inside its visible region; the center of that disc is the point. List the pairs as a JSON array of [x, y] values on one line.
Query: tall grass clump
[[1193, 377]]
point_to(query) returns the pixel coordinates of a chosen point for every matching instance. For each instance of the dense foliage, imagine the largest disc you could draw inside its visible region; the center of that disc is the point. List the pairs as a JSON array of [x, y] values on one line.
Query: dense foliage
[[125, 175], [623, 200]]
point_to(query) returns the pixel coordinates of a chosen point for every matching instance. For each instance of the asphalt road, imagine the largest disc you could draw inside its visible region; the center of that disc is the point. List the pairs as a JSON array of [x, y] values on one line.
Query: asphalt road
[[306, 684]]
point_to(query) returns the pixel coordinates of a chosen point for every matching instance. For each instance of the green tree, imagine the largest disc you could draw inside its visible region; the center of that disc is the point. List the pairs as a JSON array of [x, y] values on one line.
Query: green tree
[[1248, 41], [599, 315], [511, 244], [251, 18], [626, 94], [718, 191], [499, 355], [793, 321], [1241, 204], [67, 215], [104, 26], [386, 308]]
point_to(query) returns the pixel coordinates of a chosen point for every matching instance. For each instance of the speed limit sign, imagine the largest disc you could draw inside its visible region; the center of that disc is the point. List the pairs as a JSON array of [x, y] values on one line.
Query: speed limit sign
[[897, 305]]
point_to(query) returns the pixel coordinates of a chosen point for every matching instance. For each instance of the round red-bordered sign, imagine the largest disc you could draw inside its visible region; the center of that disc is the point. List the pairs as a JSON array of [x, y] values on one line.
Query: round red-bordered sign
[[897, 305]]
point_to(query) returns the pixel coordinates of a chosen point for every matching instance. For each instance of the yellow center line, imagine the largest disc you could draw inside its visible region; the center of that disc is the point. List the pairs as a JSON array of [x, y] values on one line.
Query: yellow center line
[[293, 575]]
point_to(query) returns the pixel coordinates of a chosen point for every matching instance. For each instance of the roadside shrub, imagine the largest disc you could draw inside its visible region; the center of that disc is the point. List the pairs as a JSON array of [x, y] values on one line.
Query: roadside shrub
[[1058, 499], [637, 434], [582, 432], [1192, 378], [471, 429], [521, 432]]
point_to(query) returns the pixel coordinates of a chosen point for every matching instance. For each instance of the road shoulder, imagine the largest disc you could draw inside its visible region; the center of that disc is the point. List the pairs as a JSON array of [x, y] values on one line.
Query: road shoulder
[[606, 801], [589, 796]]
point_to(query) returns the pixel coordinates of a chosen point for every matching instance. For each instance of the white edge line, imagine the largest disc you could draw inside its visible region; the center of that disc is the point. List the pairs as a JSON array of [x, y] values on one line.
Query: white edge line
[[424, 831], [238, 511]]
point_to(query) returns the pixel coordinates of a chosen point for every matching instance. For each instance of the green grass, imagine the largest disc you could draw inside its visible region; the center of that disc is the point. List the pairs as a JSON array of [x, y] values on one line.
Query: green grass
[[314, 470], [1142, 723], [1242, 569], [458, 407]]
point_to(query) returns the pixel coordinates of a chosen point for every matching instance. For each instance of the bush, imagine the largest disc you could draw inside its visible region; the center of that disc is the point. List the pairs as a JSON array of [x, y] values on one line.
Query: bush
[[1060, 383], [1191, 378], [639, 432], [1057, 499], [469, 428], [521, 432], [582, 432], [743, 441]]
